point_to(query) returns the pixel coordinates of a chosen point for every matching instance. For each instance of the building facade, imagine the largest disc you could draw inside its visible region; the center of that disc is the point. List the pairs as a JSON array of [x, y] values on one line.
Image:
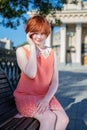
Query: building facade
[[6, 43], [71, 47]]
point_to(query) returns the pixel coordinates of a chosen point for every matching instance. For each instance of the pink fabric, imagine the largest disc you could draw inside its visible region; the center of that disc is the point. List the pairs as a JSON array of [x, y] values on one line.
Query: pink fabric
[[29, 91]]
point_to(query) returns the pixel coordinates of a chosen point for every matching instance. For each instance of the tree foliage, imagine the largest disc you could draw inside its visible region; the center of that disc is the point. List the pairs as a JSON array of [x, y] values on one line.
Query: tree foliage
[[12, 11], [46, 6]]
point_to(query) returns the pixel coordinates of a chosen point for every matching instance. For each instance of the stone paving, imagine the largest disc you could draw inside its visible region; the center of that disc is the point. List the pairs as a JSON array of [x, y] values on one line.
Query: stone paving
[[72, 94]]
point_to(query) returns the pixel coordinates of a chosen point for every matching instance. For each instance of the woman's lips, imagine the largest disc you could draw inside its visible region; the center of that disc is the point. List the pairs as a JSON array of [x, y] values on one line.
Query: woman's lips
[[39, 41]]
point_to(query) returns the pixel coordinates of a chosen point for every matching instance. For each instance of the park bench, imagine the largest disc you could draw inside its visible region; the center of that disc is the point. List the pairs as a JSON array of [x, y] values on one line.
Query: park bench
[[8, 109]]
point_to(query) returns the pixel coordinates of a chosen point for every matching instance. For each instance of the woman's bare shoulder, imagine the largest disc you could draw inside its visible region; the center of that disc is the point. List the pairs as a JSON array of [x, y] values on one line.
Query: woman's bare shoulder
[[27, 46], [21, 48]]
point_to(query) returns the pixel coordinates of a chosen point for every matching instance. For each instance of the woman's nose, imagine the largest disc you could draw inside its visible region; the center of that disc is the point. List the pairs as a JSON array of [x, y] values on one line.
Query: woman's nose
[[39, 35]]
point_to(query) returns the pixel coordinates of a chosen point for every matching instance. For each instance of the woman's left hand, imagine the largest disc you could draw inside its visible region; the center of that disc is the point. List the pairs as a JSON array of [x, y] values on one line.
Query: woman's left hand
[[42, 106]]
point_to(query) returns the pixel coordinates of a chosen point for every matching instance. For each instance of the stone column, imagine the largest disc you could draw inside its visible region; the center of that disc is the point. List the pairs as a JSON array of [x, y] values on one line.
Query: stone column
[[48, 41], [63, 45], [78, 43]]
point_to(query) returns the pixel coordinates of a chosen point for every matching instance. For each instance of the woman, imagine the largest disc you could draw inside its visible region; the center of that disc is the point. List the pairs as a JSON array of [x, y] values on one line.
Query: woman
[[34, 95]]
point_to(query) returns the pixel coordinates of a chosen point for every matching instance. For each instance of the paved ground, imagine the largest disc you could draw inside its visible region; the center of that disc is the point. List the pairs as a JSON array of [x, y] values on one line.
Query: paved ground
[[72, 94]]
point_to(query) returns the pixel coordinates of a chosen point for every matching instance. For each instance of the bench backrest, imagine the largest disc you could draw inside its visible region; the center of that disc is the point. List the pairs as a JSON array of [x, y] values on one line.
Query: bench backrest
[[7, 104]]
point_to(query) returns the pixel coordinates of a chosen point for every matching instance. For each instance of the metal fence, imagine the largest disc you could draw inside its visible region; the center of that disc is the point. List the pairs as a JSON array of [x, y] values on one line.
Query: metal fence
[[9, 65]]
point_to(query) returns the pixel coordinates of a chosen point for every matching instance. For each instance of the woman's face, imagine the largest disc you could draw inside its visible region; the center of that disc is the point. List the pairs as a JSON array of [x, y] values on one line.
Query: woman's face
[[39, 38]]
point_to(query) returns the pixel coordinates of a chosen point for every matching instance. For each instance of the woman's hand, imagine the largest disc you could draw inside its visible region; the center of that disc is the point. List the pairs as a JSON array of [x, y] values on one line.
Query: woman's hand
[[29, 38], [42, 106]]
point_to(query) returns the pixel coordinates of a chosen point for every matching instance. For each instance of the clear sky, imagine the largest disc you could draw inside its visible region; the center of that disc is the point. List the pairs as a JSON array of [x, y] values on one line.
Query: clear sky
[[16, 36]]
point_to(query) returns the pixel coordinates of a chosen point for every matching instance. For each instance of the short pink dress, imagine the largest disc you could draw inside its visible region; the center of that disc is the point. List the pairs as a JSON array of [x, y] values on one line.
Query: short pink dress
[[30, 91]]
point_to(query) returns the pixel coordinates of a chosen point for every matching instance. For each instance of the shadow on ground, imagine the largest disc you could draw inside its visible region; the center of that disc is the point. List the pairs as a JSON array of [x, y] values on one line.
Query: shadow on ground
[[72, 94]]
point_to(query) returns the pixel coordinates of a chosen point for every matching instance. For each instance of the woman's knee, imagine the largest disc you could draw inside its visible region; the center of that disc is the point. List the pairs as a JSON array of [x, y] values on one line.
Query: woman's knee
[[47, 117], [61, 115], [66, 119]]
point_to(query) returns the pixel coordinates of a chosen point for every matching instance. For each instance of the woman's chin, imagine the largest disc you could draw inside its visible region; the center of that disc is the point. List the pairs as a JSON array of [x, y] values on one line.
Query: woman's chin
[[38, 44]]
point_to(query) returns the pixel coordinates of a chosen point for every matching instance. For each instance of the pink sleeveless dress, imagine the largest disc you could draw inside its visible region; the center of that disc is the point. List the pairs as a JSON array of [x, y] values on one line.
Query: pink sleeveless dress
[[30, 91]]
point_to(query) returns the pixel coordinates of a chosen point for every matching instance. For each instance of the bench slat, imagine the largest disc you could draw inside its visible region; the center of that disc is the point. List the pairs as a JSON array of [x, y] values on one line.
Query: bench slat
[[4, 90], [12, 124], [8, 115], [17, 124], [25, 124], [6, 110], [34, 126], [21, 124], [5, 95], [4, 80], [3, 100], [2, 76]]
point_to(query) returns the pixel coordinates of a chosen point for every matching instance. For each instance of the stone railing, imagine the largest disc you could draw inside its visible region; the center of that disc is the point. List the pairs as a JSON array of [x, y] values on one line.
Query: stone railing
[[9, 65]]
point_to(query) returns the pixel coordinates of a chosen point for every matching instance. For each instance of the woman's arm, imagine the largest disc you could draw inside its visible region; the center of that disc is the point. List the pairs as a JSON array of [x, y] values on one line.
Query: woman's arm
[[55, 81], [27, 65], [43, 105]]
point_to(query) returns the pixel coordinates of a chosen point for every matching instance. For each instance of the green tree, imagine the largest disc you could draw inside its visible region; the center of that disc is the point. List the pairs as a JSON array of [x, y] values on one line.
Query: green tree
[[12, 11]]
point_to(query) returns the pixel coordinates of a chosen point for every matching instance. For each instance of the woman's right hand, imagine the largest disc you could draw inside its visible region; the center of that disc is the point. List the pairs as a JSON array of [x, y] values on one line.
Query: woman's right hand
[[29, 39], [42, 106]]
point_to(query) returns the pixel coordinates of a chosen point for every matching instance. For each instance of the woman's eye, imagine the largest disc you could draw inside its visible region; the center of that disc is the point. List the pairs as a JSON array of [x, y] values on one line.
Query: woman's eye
[[42, 33]]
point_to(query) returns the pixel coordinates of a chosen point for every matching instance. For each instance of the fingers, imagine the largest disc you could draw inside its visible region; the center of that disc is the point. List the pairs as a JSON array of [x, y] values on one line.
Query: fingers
[[29, 40], [30, 33], [41, 110], [42, 107]]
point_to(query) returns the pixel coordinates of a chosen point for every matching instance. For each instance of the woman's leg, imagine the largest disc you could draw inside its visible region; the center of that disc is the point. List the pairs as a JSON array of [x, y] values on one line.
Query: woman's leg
[[47, 120], [62, 120]]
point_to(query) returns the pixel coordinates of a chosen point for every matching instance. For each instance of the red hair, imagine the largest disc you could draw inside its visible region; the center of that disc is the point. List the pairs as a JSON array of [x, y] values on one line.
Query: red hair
[[38, 24]]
